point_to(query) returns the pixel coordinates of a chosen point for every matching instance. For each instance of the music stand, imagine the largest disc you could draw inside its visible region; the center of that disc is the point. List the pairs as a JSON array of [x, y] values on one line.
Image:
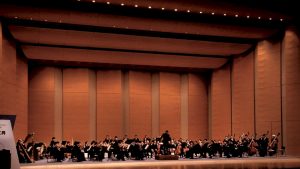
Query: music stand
[[12, 119]]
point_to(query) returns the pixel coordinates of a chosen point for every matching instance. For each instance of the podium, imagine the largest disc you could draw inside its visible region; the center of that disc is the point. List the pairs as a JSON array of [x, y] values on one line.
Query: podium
[[166, 157]]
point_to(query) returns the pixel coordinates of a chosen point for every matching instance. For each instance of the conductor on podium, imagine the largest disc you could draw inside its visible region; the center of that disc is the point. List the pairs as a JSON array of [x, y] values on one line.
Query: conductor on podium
[[166, 139]]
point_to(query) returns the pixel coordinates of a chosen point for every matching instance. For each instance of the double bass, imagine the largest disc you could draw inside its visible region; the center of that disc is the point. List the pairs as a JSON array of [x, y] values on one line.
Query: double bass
[[252, 150], [272, 147]]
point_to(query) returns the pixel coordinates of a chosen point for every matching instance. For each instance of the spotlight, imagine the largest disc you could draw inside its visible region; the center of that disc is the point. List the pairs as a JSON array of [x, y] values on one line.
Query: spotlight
[[175, 10], [136, 5], [107, 3], [149, 7], [122, 4], [94, 1], [248, 16], [270, 19], [281, 19], [200, 12], [212, 13], [163, 8], [225, 14], [259, 17], [236, 16], [188, 11]]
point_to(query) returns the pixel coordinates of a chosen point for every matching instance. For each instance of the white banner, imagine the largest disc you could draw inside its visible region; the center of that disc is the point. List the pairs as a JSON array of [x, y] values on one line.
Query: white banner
[[7, 142]]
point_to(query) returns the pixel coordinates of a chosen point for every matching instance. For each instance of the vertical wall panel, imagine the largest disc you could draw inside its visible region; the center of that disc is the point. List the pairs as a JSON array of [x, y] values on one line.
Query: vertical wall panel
[[220, 103], [243, 95], [58, 104], [41, 102], [170, 103], [291, 91], [76, 117], [21, 100], [13, 85], [8, 70], [109, 104], [140, 103], [267, 88], [184, 112], [198, 107], [155, 105]]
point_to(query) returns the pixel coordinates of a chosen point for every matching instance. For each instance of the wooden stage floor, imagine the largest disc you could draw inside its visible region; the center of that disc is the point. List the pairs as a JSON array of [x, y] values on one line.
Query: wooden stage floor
[[219, 163]]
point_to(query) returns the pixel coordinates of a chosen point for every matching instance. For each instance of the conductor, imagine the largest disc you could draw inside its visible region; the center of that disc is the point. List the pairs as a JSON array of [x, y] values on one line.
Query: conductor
[[166, 139]]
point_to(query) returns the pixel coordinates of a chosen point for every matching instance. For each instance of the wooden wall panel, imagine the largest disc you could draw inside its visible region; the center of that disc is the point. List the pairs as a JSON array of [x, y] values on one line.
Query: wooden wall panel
[[243, 95], [220, 103], [170, 103], [21, 100], [267, 88], [109, 104], [8, 70], [76, 117], [197, 107], [291, 90], [41, 102], [140, 117], [13, 85]]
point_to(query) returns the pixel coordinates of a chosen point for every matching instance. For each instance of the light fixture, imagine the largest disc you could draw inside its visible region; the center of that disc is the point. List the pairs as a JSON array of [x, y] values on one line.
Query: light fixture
[[107, 2], [281, 19], [59, 21], [149, 7], [175, 10], [236, 15], [16, 17], [45, 20], [270, 19], [78, 0], [259, 17], [212, 13], [162, 8], [248, 16], [136, 5], [94, 1], [200, 12], [122, 4], [30, 18], [225, 14], [188, 11]]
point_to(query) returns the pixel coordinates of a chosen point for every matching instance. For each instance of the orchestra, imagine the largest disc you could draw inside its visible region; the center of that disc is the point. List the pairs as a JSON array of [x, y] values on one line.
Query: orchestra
[[147, 148]]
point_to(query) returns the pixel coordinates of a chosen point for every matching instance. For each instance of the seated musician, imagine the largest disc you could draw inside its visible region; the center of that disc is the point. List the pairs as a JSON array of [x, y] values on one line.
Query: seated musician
[[77, 152], [20, 151], [57, 153]]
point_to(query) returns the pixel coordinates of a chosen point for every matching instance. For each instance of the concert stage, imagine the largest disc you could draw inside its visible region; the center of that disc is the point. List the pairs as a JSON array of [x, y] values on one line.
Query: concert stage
[[223, 163]]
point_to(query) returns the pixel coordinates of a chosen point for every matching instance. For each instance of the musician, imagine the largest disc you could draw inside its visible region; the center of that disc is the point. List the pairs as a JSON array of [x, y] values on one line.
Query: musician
[[273, 147], [57, 153], [166, 139], [263, 143], [20, 150], [77, 152]]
